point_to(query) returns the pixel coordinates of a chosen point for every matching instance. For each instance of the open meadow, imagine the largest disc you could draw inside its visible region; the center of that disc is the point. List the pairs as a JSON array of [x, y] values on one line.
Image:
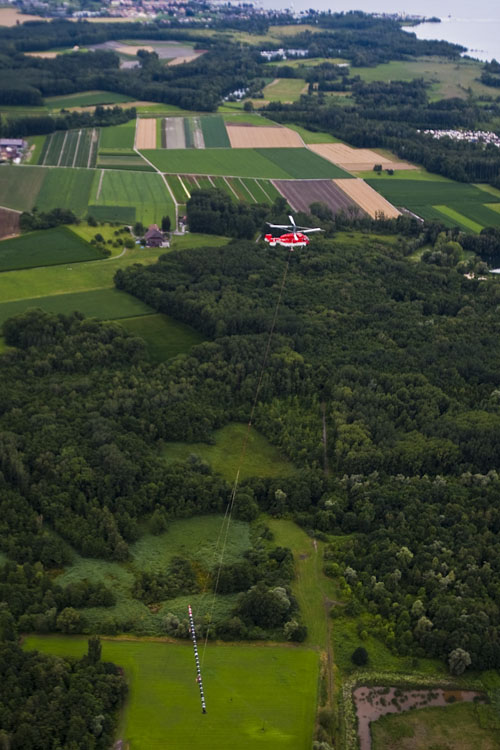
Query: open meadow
[[86, 99], [49, 247], [164, 336], [19, 186], [261, 458], [256, 696], [143, 195], [66, 188], [284, 89]]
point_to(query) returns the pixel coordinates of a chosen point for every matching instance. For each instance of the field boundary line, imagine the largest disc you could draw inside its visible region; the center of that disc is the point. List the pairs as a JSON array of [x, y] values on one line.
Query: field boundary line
[[91, 149], [183, 186], [62, 148], [98, 193], [261, 185], [77, 147], [43, 164], [211, 181], [248, 191], [231, 188], [14, 210], [176, 205]]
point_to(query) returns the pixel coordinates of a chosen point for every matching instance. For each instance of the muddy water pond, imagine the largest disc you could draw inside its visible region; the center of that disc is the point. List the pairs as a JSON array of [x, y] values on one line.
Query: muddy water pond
[[373, 702]]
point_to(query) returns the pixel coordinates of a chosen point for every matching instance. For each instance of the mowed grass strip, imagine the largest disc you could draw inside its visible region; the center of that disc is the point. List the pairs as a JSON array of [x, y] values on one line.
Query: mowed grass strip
[[45, 248], [66, 188], [164, 336], [177, 188], [261, 459], [86, 99], [214, 132], [407, 192], [104, 304], [265, 697], [144, 191], [20, 186], [310, 136], [460, 219], [118, 137], [272, 163]]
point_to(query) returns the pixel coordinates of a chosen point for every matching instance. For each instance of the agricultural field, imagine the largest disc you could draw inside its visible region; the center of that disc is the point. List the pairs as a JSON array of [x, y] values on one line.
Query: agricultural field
[[143, 194], [145, 133], [456, 726], [357, 159], [453, 203], [284, 89], [367, 198], [312, 136], [214, 132], [261, 459], [65, 188], [71, 148], [272, 163], [86, 99], [448, 79], [104, 304], [127, 161], [263, 697], [9, 223], [164, 336], [300, 194], [118, 137], [252, 136], [207, 131], [49, 247], [19, 186]]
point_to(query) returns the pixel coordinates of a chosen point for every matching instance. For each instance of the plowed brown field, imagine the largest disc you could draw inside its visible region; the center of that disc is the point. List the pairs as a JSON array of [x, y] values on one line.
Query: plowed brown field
[[186, 58], [301, 193], [244, 136], [145, 136], [356, 159], [9, 223], [367, 198]]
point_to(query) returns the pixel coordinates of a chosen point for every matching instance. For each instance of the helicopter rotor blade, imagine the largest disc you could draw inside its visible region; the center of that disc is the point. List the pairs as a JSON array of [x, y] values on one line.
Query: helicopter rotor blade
[[292, 222], [308, 231], [278, 226]]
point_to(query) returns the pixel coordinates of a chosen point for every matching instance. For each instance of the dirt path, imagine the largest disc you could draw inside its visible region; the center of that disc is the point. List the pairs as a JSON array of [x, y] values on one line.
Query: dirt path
[[61, 152], [77, 147], [100, 185]]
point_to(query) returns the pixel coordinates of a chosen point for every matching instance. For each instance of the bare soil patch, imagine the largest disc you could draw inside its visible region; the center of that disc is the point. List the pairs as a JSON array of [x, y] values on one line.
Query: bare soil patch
[[9, 223], [255, 136], [145, 136], [10, 17], [367, 198], [128, 49], [301, 193], [356, 159], [186, 58]]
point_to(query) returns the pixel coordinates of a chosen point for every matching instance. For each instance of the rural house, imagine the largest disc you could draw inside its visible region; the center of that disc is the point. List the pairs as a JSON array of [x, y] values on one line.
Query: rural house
[[154, 237], [11, 148]]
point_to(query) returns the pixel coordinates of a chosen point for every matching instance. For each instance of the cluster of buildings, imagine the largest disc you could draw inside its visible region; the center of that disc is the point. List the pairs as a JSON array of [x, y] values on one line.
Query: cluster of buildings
[[471, 136], [12, 149], [283, 54]]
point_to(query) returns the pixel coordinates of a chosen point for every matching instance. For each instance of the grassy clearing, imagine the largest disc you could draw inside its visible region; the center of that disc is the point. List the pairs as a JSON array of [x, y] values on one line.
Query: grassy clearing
[[49, 247], [284, 89], [214, 132], [346, 639], [453, 727], [263, 697], [19, 186], [36, 144], [447, 79], [86, 99], [164, 336], [143, 191], [310, 136], [261, 459], [118, 137], [65, 188], [104, 304]]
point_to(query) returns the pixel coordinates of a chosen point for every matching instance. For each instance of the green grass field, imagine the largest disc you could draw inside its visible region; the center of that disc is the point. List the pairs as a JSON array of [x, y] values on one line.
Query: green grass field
[[273, 163], [453, 203], [105, 304], [86, 99], [118, 137], [448, 78], [214, 132], [256, 696], [19, 186], [65, 188], [164, 336], [144, 191], [49, 247], [310, 136], [261, 460], [36, 143], [453, 727], [419, 174], [123, 161], [284, 89]]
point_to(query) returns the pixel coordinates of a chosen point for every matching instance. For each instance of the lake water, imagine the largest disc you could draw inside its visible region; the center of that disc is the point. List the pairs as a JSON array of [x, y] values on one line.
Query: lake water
[[475, 25]]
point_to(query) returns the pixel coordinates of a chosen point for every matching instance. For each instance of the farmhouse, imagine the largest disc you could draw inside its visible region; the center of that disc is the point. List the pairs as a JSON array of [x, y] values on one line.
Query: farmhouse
[[154, 237], [11, 149]]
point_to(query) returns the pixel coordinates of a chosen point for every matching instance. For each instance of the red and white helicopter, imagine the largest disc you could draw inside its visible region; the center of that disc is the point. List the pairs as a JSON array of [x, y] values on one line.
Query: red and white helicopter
[[296, 238]]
